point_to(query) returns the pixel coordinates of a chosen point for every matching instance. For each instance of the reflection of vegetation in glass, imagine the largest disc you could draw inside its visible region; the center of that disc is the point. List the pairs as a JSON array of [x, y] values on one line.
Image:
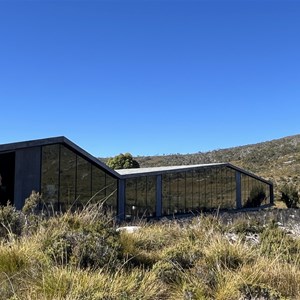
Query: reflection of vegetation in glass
[[141, 196], [189, 201], [83, 192], [165, 194], [215, 176], [67, 178], [254, 192], [173, 193], [181, 192], [170, 193], [196, 190], [206, 188], [50, 174], [203, 189], [111, 191], [131, 194], [245, 188], [98, 184], [256, 196], [224, 196], [71, 174], [229, 190], [209, 187], [151, 196]]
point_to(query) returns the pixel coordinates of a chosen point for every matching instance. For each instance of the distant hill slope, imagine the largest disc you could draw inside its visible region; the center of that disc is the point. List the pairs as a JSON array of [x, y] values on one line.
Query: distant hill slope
[[276, 160]]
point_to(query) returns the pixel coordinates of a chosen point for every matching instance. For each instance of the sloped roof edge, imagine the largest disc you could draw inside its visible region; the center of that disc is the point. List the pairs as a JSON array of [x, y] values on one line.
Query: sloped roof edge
[[123, 173], [57, 140]]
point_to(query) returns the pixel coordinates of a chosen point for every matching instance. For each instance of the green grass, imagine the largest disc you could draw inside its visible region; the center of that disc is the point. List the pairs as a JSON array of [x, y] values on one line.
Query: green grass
[[81, 256]]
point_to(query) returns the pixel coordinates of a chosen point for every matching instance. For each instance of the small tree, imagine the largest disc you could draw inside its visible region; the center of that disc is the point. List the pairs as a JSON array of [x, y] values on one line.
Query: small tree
[[290, 196], [123, 161]]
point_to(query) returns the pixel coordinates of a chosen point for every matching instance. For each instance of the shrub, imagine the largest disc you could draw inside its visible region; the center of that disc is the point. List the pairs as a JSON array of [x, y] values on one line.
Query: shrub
[[290, 196], [31, 203], [256, 197], [84, 249], [123, 161], [11, 221]]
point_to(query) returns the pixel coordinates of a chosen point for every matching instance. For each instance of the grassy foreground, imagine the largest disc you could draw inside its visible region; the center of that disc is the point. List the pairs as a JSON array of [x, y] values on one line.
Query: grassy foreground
[[81, 256]]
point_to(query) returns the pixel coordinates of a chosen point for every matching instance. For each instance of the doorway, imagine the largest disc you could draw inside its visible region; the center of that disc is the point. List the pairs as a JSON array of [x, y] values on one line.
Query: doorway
[[7, 177]]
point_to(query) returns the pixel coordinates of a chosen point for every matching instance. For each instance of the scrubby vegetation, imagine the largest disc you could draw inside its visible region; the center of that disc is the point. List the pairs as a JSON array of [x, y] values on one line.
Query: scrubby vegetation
[[122, 161], [80, 255], [277, 160]]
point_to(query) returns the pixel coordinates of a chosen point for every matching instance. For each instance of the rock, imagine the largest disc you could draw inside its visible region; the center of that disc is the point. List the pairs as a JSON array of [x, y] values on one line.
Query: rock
[[129, 229]]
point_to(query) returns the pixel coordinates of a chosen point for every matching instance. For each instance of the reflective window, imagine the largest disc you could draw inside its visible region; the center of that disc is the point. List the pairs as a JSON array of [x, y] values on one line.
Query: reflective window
[[67, 178], [140, 196], [254, 192], [151, 196], [83, 184], [50, 176], [196, 190], [166, 195], [229, 190], [174, 209], [131, 197], [181, 192], [111, 188], [189, 197]]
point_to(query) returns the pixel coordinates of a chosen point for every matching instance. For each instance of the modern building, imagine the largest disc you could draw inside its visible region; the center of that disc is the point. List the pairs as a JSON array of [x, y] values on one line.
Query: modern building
[[69, 177]]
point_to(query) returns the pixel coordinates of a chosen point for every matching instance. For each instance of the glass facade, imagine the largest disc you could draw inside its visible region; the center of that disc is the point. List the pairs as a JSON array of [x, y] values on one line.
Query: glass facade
[[69, 181], [140, 197], [198, 190], [254, 192]]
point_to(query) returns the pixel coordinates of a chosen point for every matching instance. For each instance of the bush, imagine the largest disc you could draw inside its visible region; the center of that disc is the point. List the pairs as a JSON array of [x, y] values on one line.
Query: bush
[[85, 239], [256, 197], [290, 196], [12, 221]]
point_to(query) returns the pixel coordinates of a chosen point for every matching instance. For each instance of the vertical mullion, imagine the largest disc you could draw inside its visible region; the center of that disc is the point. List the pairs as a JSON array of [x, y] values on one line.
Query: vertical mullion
[[59, 169]]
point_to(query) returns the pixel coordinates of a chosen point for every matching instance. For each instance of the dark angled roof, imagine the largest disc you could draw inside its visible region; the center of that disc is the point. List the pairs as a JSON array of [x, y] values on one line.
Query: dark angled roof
[[57, 140]]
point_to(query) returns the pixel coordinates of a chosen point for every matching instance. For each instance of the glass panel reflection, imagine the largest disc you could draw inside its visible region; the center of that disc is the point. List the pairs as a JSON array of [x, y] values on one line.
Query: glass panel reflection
[[98, 185], [50, 176], [67, 193], [111, 191], [83, 191], [151, 196]]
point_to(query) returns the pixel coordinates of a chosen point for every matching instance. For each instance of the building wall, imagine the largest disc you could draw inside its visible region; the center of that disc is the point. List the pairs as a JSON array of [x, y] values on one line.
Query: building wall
[[193, 191], [27, 174], [68, 177]]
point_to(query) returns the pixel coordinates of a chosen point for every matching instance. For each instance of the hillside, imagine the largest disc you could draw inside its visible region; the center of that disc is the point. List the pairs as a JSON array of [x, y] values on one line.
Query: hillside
[[277, 160]]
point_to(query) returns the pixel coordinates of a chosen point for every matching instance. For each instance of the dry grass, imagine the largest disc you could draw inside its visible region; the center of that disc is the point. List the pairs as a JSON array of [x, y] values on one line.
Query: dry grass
[[80, 256]]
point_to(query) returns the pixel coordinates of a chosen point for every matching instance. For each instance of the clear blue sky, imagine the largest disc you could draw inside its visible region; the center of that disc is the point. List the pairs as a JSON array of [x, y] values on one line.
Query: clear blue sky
[[150, 77]]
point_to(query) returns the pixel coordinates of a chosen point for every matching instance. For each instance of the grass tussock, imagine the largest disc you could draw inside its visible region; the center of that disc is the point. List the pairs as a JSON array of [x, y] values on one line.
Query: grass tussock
[[80, 255]]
